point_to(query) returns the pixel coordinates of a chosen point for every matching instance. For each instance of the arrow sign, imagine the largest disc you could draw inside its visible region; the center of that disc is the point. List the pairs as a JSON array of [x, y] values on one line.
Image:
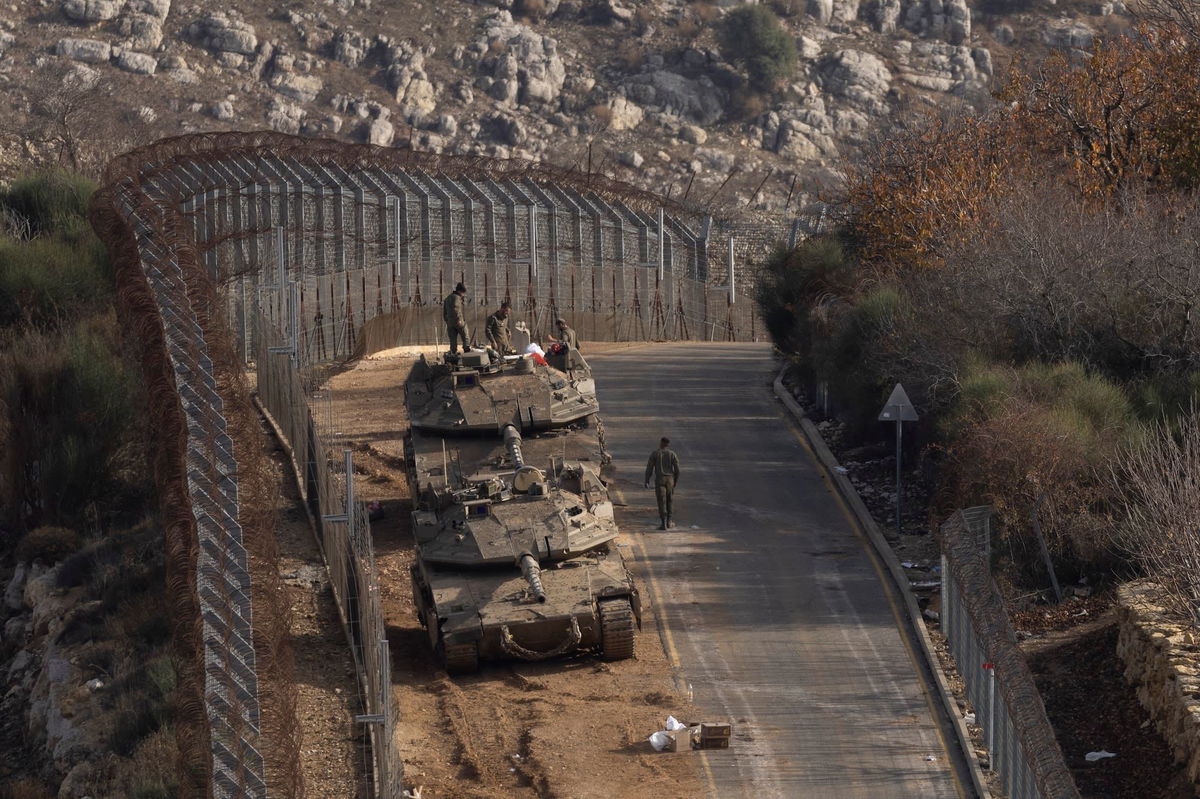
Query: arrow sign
[[899, 407]]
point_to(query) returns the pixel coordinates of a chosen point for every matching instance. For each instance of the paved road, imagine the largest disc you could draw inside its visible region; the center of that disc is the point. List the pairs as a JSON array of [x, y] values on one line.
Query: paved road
[[774, 609]]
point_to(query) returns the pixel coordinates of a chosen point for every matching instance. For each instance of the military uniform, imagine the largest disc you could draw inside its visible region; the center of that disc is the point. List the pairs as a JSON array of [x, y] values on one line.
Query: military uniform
[[454, 313], [567, 336], [498, 335], [664, 468]]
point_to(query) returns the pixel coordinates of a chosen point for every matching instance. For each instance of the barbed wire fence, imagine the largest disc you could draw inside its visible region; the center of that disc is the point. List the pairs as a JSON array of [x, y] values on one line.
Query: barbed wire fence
[[1025, 754], [298, 255]]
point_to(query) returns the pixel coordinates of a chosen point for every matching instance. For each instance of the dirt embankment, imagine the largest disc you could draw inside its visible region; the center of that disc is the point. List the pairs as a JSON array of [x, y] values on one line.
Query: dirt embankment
[[573, 728]]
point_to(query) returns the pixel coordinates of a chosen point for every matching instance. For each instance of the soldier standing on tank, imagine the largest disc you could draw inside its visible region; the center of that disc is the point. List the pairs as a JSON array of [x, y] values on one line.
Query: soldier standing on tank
[[664, 468], [497, 330], [454, 311], [565, 334]]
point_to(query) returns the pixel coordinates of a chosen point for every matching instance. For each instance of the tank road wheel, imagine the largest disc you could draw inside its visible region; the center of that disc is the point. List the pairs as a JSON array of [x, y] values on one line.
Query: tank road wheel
[[459, 658], [616, 629]]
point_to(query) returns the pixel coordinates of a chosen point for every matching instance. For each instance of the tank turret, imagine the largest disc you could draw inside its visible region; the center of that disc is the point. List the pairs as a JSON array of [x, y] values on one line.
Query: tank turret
[[482, 393]]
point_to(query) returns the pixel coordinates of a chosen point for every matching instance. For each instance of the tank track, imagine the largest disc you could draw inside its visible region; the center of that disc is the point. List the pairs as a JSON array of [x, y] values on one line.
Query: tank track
[[617, 629], [460, 658]]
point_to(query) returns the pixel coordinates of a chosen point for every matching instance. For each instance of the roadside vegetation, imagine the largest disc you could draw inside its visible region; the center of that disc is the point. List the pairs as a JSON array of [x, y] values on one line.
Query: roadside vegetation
[[1030, 275], [75, 492]]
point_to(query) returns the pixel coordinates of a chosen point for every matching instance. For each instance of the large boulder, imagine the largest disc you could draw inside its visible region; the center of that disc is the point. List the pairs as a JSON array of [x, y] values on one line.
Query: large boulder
[[937, 66], [949, 20], [302, 88], [800, 134], [284, 117], [523, 62], [91, 11], [223, 33], [624, 115], [89, 51], [1069, 34], [350, 47], [857, 77], [380, 132], [698, 100], [137, 63], [406, 77], [141, 31]]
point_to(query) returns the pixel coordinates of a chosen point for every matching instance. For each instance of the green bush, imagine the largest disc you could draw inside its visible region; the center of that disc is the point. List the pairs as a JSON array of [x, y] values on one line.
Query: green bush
[[47, 282], [752, 37], [55, 203], [795, 287], [48, 544], [67, 405], [1166, 396]]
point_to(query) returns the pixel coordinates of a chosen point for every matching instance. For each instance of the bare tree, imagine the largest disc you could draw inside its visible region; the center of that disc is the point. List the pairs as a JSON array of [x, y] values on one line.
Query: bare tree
[[74, 120], [1158, 484]]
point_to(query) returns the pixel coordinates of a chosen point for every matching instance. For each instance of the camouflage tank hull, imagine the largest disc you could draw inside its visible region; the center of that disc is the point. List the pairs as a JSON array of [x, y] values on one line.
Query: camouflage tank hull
[[516, 543], [591, 606]]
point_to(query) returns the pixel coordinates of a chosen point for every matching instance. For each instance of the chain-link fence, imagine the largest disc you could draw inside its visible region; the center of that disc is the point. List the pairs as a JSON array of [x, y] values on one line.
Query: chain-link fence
[[290, 253], [344, 535], [1024, 752]]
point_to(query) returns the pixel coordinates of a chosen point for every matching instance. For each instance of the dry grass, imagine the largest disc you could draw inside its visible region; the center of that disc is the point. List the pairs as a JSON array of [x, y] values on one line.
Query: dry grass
[[27, 788], [745, 103], [630, 55], [601, 116], [707, 13]]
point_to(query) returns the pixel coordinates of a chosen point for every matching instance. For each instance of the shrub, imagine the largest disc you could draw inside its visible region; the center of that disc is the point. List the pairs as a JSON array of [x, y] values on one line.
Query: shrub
[[48, 281], [752, 37], [1156, 481], [54, 202], [48, 544], [1039, 436], [793, 283], [68, 405]]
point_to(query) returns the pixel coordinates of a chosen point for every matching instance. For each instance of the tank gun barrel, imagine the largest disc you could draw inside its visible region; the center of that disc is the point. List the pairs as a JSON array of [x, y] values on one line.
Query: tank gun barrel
[[533, 575], [512, 441]]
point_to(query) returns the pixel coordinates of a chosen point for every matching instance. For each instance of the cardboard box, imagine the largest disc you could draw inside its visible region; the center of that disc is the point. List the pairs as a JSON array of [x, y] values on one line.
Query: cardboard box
[[679, 740], [713, 736]]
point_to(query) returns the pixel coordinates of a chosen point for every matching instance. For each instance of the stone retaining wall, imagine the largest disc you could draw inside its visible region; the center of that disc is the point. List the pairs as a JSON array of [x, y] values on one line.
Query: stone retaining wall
[[1162, 661]]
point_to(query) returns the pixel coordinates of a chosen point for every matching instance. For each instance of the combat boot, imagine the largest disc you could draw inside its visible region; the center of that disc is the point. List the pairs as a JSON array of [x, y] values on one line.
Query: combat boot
[[669, 524], [663, 524]]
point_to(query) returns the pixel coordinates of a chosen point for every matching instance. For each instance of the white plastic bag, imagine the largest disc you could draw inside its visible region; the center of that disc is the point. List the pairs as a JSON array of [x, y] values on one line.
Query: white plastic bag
[[659, 741], [535, 349], [674, 724]]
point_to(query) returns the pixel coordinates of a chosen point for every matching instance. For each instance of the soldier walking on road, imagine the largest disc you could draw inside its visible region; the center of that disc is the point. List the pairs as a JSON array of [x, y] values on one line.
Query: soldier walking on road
[[454, 311], [497, 330], [664, 468]]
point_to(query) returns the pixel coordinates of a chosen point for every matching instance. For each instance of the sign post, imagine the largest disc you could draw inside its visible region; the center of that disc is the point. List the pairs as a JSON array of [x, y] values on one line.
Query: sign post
[[899, 409]]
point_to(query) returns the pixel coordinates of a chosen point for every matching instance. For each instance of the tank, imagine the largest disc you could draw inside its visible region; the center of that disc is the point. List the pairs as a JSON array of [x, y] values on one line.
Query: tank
[[482, 392], [516, 541]]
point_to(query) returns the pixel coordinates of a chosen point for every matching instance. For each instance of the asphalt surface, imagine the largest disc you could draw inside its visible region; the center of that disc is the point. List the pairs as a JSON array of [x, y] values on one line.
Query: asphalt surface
[[774, 610]]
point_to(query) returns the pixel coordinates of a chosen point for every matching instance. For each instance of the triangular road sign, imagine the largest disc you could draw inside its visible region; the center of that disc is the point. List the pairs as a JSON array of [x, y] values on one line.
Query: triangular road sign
[[899, 407]]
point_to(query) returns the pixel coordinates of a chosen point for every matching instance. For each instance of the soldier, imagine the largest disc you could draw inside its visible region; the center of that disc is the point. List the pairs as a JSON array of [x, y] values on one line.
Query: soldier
[[455, 313], [565, 334], [664, 468], [497, 330]]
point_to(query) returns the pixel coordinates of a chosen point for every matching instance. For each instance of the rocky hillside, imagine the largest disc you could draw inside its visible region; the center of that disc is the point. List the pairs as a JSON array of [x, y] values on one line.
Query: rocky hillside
[[638, 89]]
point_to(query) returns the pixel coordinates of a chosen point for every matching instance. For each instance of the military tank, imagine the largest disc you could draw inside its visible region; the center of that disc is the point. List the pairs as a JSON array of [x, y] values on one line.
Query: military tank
[[516, 552]]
